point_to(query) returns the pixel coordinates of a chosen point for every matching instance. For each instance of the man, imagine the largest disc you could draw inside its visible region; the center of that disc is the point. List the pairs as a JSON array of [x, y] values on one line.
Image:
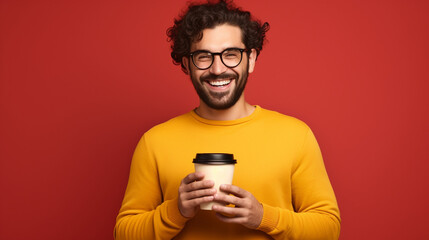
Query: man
[[280, 188]]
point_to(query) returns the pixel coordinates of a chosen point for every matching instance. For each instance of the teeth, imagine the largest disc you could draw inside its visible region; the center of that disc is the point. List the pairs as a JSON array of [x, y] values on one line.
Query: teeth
[[219, 83]]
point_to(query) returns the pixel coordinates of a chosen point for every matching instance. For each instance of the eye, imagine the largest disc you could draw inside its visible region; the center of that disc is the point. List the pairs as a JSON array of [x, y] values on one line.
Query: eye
[[231, 54], [203, 56]]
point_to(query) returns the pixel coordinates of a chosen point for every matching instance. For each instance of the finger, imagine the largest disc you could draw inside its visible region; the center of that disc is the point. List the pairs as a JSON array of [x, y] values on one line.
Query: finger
[[199, 193], [193, 177], [239, 220], [198, 185], [197, 201], [230, 211], [229, 199], [237, 191]]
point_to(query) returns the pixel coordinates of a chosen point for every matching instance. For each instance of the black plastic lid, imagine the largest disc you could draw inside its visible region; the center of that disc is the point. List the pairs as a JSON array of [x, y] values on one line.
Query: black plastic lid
[[214, 158]]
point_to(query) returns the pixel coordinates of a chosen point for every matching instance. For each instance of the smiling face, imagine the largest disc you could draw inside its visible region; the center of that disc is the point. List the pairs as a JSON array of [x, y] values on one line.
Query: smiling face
[[219, 86]]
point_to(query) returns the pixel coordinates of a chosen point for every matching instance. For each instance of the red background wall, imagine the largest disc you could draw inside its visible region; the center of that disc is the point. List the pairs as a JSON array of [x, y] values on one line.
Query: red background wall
[[81, 81]]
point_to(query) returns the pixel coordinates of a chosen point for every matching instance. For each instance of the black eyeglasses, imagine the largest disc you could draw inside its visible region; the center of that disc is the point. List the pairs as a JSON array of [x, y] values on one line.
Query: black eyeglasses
[[230, 57]]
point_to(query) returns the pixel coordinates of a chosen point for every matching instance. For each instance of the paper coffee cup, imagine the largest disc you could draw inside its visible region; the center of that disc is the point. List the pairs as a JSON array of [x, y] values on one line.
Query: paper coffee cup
[[218, 167]]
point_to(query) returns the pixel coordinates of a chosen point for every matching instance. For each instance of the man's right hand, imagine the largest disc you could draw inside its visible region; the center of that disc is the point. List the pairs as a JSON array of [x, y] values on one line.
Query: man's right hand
[[192, 192]]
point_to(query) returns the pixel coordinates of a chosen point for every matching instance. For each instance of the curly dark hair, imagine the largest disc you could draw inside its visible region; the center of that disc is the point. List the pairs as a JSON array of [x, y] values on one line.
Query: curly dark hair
[[189, 27]]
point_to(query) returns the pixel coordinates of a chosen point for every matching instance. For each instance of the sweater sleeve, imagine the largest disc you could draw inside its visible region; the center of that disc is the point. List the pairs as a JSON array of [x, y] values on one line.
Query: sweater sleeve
[[144, 213], [316, 214]]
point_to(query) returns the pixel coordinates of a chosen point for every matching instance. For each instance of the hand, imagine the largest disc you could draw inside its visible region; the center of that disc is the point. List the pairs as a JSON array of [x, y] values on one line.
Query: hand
[[247, 211], [192, 192]]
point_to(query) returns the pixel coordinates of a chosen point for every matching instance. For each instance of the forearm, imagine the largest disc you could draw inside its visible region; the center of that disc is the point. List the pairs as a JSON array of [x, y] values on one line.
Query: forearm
[[315, 213], [285, 224], [164, 222], [145, 212]]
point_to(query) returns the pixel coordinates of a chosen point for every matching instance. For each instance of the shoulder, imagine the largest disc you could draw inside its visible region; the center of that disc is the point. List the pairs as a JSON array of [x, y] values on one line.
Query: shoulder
[[283, 121], [175, 126], [286, 129]]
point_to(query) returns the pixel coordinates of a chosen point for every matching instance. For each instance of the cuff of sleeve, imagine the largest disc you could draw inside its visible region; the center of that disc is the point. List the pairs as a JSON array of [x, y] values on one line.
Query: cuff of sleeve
[[174, 213], [270, 219]]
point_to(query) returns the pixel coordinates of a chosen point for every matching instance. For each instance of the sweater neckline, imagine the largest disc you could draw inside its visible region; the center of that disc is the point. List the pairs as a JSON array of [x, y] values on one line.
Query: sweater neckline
[[226, 122]]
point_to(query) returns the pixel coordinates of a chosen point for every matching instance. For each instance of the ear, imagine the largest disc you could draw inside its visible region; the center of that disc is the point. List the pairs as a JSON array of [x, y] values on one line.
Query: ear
[[252, 60], [185, 62]]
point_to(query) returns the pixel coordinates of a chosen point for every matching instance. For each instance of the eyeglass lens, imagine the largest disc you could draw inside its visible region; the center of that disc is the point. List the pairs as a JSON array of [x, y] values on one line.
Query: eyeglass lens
[[229, 57]]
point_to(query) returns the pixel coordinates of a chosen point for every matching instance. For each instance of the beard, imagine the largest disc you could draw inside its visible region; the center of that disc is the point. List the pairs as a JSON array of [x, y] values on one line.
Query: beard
[[221, 100]]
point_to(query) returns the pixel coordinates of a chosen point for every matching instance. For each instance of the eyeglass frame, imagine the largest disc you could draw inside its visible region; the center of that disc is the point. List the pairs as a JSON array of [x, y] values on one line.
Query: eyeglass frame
[[220, 56]]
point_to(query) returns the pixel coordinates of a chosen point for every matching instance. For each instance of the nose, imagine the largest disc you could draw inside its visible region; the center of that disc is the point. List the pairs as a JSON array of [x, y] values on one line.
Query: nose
[[217, 67]]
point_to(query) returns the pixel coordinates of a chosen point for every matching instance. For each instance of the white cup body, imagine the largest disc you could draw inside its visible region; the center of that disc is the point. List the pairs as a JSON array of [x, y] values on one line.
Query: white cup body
[[219, 174]]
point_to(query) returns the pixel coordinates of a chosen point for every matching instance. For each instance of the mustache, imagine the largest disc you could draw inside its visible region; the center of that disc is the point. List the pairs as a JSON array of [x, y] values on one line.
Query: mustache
[[218, 77]]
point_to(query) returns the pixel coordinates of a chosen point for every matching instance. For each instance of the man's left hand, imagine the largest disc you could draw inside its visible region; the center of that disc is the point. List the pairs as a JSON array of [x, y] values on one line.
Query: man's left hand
[[247, 211]]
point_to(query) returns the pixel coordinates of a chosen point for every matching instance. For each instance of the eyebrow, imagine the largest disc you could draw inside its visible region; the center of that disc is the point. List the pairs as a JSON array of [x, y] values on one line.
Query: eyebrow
[[205, 50]]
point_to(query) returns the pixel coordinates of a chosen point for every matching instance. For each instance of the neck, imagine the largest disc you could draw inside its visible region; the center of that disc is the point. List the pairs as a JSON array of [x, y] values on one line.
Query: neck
[[240, 109]]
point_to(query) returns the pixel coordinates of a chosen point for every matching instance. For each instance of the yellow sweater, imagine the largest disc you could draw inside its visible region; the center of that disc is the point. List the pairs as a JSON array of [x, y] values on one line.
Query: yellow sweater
[[278, 161]]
